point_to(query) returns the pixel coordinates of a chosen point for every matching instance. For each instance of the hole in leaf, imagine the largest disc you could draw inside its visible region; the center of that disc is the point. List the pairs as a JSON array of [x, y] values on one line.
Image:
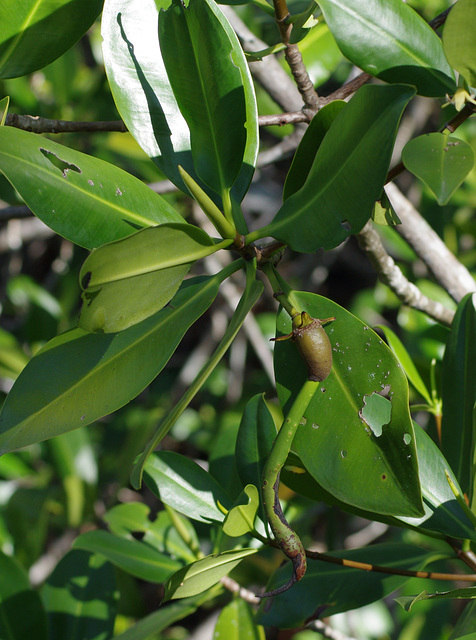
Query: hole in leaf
[[62, 165], [376, 412]]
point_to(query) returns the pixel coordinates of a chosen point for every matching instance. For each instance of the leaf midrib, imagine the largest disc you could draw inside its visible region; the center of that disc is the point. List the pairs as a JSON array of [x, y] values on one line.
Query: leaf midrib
[[109, 361], [286, 220], [382, 33], [39, 168]]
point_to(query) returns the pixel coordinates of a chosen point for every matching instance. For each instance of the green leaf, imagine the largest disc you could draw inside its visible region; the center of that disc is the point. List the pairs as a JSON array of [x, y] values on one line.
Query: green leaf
[[327, 589], [131, 518], [347, 175], [458, 39], [79, 377], [404, 359], [240, 519], [443, 515], [81, 598], [235, 622], [16, 598], [309, 146], [85, 200], [371, 466], [37, 32], [186, 487], [384, 214], [391, 41], [459, 395], [144, 96], [407, 602], [203, 574], [128, 280], [466, 625], [254, 441], [198, 58], [442, 162], [250, 296], [133, 556]]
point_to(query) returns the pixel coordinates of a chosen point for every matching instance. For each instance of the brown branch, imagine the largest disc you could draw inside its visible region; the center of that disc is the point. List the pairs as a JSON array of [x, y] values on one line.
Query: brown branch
[[391, 275], [36, 124], [281, 119], [365, 566], [295, 62]]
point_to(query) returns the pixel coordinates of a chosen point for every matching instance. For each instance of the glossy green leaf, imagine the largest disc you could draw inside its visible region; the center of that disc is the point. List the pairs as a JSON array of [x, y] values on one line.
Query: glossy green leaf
[[391, 41], [459, 395], [327, 589], [309, 146], [17, 597], [250, 296], [407, 363], [235, 622], [442, 162], [183, 485], [458, 39], [198, 58], [128, 280], [133, 556], [443, 515], [203, 574], [79, 377], [407, 602], [465, 628], [36, 32], [131, 518], [347, 175], [143, 93], [85, 200], [254, 441], [241, 517], [81, 598], [371, 466], [255, 438]]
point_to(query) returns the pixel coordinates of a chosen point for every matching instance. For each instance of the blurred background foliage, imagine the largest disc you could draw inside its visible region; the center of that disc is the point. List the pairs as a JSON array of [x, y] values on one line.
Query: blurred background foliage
[[51, 491]]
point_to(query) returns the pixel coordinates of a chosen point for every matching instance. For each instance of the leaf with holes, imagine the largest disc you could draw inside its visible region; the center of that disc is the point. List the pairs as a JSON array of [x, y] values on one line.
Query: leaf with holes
[[85, 200], [356, 438]]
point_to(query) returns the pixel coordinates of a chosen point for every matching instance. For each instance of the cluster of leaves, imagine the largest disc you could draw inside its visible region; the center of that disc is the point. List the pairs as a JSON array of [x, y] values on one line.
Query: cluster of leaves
[[181, 83]]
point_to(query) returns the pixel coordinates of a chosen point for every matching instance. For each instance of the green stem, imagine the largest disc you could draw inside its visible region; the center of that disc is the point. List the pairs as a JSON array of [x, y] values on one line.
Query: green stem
[[282, 291], [164, 427], [209, 208], [286, 538]]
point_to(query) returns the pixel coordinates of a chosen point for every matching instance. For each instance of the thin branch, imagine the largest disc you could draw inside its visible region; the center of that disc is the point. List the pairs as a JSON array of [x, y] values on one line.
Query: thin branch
[[295, 62], [244, 594], [369, 241], [36, 124], [327, 631], [376, 568], [280, 119], [427, 244]]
